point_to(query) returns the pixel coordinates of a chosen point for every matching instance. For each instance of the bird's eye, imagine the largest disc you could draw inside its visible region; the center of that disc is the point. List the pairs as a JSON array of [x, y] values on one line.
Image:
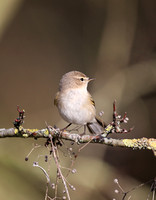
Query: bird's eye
[[81, 79]]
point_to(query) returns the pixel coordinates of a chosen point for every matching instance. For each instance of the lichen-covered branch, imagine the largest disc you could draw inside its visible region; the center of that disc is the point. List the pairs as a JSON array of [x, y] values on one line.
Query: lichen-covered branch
[[136, 144], [57, 134]]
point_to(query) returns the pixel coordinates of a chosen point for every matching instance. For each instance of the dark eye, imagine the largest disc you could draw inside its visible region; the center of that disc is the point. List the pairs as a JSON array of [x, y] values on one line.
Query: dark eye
[[81, 79]]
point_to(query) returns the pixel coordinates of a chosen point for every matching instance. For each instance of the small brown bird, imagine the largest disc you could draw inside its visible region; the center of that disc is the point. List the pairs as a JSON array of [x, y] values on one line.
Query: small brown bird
[[75, 104]]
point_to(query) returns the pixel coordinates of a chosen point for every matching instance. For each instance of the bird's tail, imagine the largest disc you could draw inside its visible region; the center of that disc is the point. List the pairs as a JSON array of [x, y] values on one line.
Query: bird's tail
[[96, 127]]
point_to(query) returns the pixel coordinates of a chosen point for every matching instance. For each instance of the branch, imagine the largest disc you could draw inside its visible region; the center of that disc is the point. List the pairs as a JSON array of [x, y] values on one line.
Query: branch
[[136, 144], [57, 134]]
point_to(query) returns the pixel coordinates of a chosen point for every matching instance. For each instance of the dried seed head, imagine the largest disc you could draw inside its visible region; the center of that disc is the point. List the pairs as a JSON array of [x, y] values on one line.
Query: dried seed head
[[101, 113], [35, 164], [46, 158], [73, 171], [53, 186], [72, 187], [116, 180], [116, 191], [26, 158]]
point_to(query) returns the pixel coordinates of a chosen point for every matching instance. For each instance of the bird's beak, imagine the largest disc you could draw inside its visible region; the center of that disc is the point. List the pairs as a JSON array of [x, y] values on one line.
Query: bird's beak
[[91, 79]]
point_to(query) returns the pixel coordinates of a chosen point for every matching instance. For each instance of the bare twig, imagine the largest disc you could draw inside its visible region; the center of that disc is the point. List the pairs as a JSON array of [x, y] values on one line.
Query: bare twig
[[126, 193], [35, 164], [57, 164]]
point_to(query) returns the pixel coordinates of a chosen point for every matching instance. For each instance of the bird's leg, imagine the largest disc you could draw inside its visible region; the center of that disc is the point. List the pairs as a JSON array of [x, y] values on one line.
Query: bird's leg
[[76, 128], [84, 131], [66, 127]]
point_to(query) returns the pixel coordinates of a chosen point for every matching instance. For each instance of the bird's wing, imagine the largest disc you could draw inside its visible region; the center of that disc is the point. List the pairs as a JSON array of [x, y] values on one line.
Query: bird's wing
[[92, 101]]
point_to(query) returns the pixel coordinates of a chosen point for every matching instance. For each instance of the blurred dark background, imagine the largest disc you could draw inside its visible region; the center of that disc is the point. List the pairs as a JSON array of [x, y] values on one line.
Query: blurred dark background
[[112, 41]]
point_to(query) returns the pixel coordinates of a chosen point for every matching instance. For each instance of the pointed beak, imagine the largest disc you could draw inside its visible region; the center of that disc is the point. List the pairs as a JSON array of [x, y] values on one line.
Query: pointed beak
[[91, 79]]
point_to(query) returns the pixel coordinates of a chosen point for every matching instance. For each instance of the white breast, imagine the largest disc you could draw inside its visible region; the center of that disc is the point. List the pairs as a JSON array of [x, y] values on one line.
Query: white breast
[[75, 107]]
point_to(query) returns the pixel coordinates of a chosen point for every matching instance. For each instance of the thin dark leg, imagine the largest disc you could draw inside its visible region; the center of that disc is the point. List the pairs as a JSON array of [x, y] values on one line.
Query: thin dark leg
[[67, 126], [84, 131]]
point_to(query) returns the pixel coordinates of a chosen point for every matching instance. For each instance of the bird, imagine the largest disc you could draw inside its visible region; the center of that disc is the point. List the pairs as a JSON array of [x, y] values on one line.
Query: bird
[[75, 104]]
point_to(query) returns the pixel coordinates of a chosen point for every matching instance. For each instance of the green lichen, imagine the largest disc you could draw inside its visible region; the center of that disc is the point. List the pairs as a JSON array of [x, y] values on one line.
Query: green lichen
[[16, 131], [152, 143], [133, 143], [108, 128], [46, 132], [25, 135], [32, 130]]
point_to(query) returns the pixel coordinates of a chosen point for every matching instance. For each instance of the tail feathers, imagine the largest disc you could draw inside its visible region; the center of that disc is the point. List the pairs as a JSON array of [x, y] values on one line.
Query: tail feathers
[[96, 127]]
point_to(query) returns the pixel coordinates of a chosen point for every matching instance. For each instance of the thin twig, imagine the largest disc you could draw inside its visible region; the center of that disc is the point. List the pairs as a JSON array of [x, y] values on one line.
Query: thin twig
[[35, 164], [35, 147], [58, 166], [85, 145], [153, 195]]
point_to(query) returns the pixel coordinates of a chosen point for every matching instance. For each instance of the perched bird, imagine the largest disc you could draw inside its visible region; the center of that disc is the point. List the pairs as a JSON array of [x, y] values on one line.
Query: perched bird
[[75, 104]]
